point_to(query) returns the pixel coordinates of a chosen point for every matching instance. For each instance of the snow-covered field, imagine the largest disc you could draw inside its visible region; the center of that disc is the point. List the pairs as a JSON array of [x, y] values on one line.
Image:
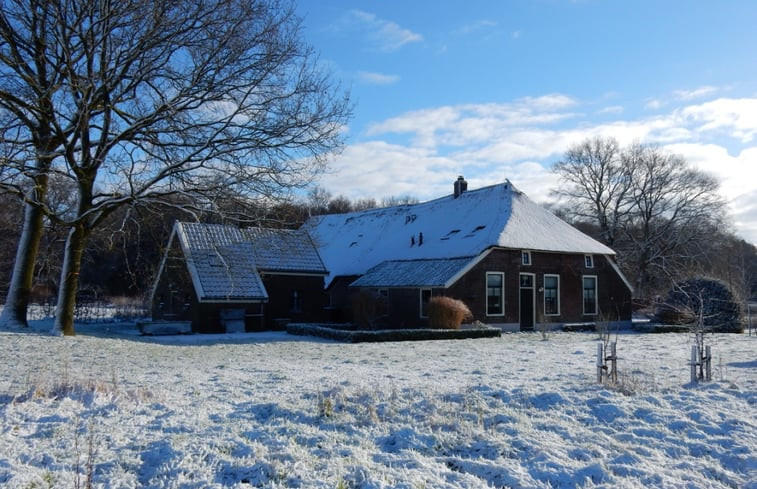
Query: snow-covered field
[[115, 409]]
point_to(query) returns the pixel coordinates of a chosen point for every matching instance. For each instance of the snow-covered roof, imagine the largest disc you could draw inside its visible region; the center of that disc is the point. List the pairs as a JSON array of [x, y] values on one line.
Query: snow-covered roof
[[448, 227], [224, 261], [414, 273]]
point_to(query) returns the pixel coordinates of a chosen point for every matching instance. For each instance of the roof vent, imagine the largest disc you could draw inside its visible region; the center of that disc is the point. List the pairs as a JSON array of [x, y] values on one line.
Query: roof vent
[[460, 186]]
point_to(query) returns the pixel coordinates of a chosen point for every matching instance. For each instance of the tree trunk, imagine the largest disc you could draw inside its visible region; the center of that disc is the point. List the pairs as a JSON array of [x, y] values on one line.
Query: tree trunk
[[14, 313], [69, 280]]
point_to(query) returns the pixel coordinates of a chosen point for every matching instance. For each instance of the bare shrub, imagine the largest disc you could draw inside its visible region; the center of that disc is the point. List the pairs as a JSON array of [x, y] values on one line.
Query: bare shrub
[[447, 313]]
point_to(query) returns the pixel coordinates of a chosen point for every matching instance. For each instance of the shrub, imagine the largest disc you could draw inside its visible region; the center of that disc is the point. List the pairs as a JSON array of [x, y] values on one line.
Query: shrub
[[447, 313], [710, 298]]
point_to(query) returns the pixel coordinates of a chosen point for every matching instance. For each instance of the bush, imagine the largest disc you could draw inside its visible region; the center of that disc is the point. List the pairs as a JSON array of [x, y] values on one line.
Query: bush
[[447, 313], [720, 311]]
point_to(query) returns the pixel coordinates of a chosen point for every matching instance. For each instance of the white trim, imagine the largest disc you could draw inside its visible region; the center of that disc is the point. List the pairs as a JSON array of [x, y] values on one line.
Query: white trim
[[162, 265], [501, 294], [544, 305], [214, 300], [596, 295], [467, 268], [588, 261], [620, 274], [262, 272], [525, 258]]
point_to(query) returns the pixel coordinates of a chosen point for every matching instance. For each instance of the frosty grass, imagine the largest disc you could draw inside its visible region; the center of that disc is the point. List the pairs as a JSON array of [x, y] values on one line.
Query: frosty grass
[[110, 408]]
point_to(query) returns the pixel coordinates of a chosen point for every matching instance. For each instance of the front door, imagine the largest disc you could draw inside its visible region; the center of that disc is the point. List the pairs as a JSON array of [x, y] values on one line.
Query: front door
[[527, 300]]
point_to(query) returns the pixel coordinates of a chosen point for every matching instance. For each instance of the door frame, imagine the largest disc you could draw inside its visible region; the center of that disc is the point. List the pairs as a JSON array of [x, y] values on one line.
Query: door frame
[[532, 302]]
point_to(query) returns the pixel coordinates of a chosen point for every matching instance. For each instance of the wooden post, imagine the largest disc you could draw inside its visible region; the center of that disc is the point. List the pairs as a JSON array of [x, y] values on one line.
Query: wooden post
[[600, 361], [613, 363], [708, 363], [694, 354]]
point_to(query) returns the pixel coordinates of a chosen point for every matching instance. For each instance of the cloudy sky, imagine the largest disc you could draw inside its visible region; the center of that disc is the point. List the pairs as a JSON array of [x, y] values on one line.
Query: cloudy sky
[[495, 89]]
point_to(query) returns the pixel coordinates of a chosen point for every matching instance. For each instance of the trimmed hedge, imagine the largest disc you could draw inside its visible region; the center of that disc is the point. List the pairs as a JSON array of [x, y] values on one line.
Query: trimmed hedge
[[365, 336]]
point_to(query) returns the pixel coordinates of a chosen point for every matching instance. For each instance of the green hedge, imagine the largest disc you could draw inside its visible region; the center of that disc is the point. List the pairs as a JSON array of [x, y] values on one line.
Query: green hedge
[[364, 336]]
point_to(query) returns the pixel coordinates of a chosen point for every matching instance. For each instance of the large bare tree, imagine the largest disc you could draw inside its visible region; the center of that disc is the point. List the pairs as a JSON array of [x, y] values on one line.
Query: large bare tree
[[141, 101], [673, 207], [649, 205], [595, 184]]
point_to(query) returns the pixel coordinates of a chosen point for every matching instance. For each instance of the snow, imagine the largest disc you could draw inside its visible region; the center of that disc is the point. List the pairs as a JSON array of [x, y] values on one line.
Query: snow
[[273, 410], [498, 215]]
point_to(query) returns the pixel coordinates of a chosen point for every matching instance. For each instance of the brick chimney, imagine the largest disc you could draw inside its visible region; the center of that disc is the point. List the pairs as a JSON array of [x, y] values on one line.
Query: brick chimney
[[460, 186]]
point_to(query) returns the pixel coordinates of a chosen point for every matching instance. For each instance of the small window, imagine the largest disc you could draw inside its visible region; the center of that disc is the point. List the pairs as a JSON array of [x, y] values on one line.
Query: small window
[[552, 295], [450, 234], [425, 298], [495, 294], [590, 295], [296, 301], [525, 257], [475, 230], [589, 261]]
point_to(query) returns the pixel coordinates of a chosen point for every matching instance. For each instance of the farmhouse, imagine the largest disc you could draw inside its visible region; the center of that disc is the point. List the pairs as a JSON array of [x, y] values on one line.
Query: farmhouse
[[511, 261], [225, 279]]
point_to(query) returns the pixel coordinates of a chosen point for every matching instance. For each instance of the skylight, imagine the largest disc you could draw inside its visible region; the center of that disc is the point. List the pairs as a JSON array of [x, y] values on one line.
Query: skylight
[[475, 230]]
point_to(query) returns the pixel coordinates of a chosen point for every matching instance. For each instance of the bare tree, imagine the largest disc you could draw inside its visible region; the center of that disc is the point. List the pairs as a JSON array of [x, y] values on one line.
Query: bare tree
[[141, 101], [647, 204], [672, 207], [596, 184]]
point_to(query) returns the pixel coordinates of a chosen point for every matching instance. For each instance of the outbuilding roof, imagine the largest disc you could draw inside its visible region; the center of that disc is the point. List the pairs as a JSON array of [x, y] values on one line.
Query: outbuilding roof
[[225, 261], [448, 227], [414, 273]]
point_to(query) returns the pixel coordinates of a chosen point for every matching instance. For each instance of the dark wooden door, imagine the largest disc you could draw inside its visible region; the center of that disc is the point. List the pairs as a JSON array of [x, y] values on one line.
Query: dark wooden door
[[526, 302]]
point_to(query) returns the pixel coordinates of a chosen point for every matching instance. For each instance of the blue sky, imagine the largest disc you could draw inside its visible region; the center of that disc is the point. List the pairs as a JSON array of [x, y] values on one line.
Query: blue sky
[[500, 89]]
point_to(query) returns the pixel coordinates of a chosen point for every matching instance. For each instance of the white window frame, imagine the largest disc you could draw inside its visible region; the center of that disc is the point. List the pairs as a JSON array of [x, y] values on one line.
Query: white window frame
[[589, 261], [501, 293], [525, 258], [545, 294], [420, 301], [596, 295]]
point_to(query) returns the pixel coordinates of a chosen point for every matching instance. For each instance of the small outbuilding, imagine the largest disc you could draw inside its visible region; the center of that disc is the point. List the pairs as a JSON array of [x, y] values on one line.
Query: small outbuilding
[[226, 279]]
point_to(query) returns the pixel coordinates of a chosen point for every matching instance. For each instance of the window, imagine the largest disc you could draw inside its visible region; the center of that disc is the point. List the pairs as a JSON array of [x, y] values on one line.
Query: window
[[525, 257], [296, 301], [590, 294], [552, 295], [425, 298], [495, 294], [589, 261]]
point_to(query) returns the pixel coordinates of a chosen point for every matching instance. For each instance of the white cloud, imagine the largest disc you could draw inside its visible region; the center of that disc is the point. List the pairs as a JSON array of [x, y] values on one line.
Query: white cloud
[[732, 117], [384, 35], [696, 93], [613, 109], [477, 26], [521, 140], [373, 78]]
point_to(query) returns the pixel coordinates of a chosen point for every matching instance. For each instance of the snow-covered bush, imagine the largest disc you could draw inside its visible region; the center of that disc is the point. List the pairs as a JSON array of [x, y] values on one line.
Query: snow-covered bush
[[704, 300], [447, 313]]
